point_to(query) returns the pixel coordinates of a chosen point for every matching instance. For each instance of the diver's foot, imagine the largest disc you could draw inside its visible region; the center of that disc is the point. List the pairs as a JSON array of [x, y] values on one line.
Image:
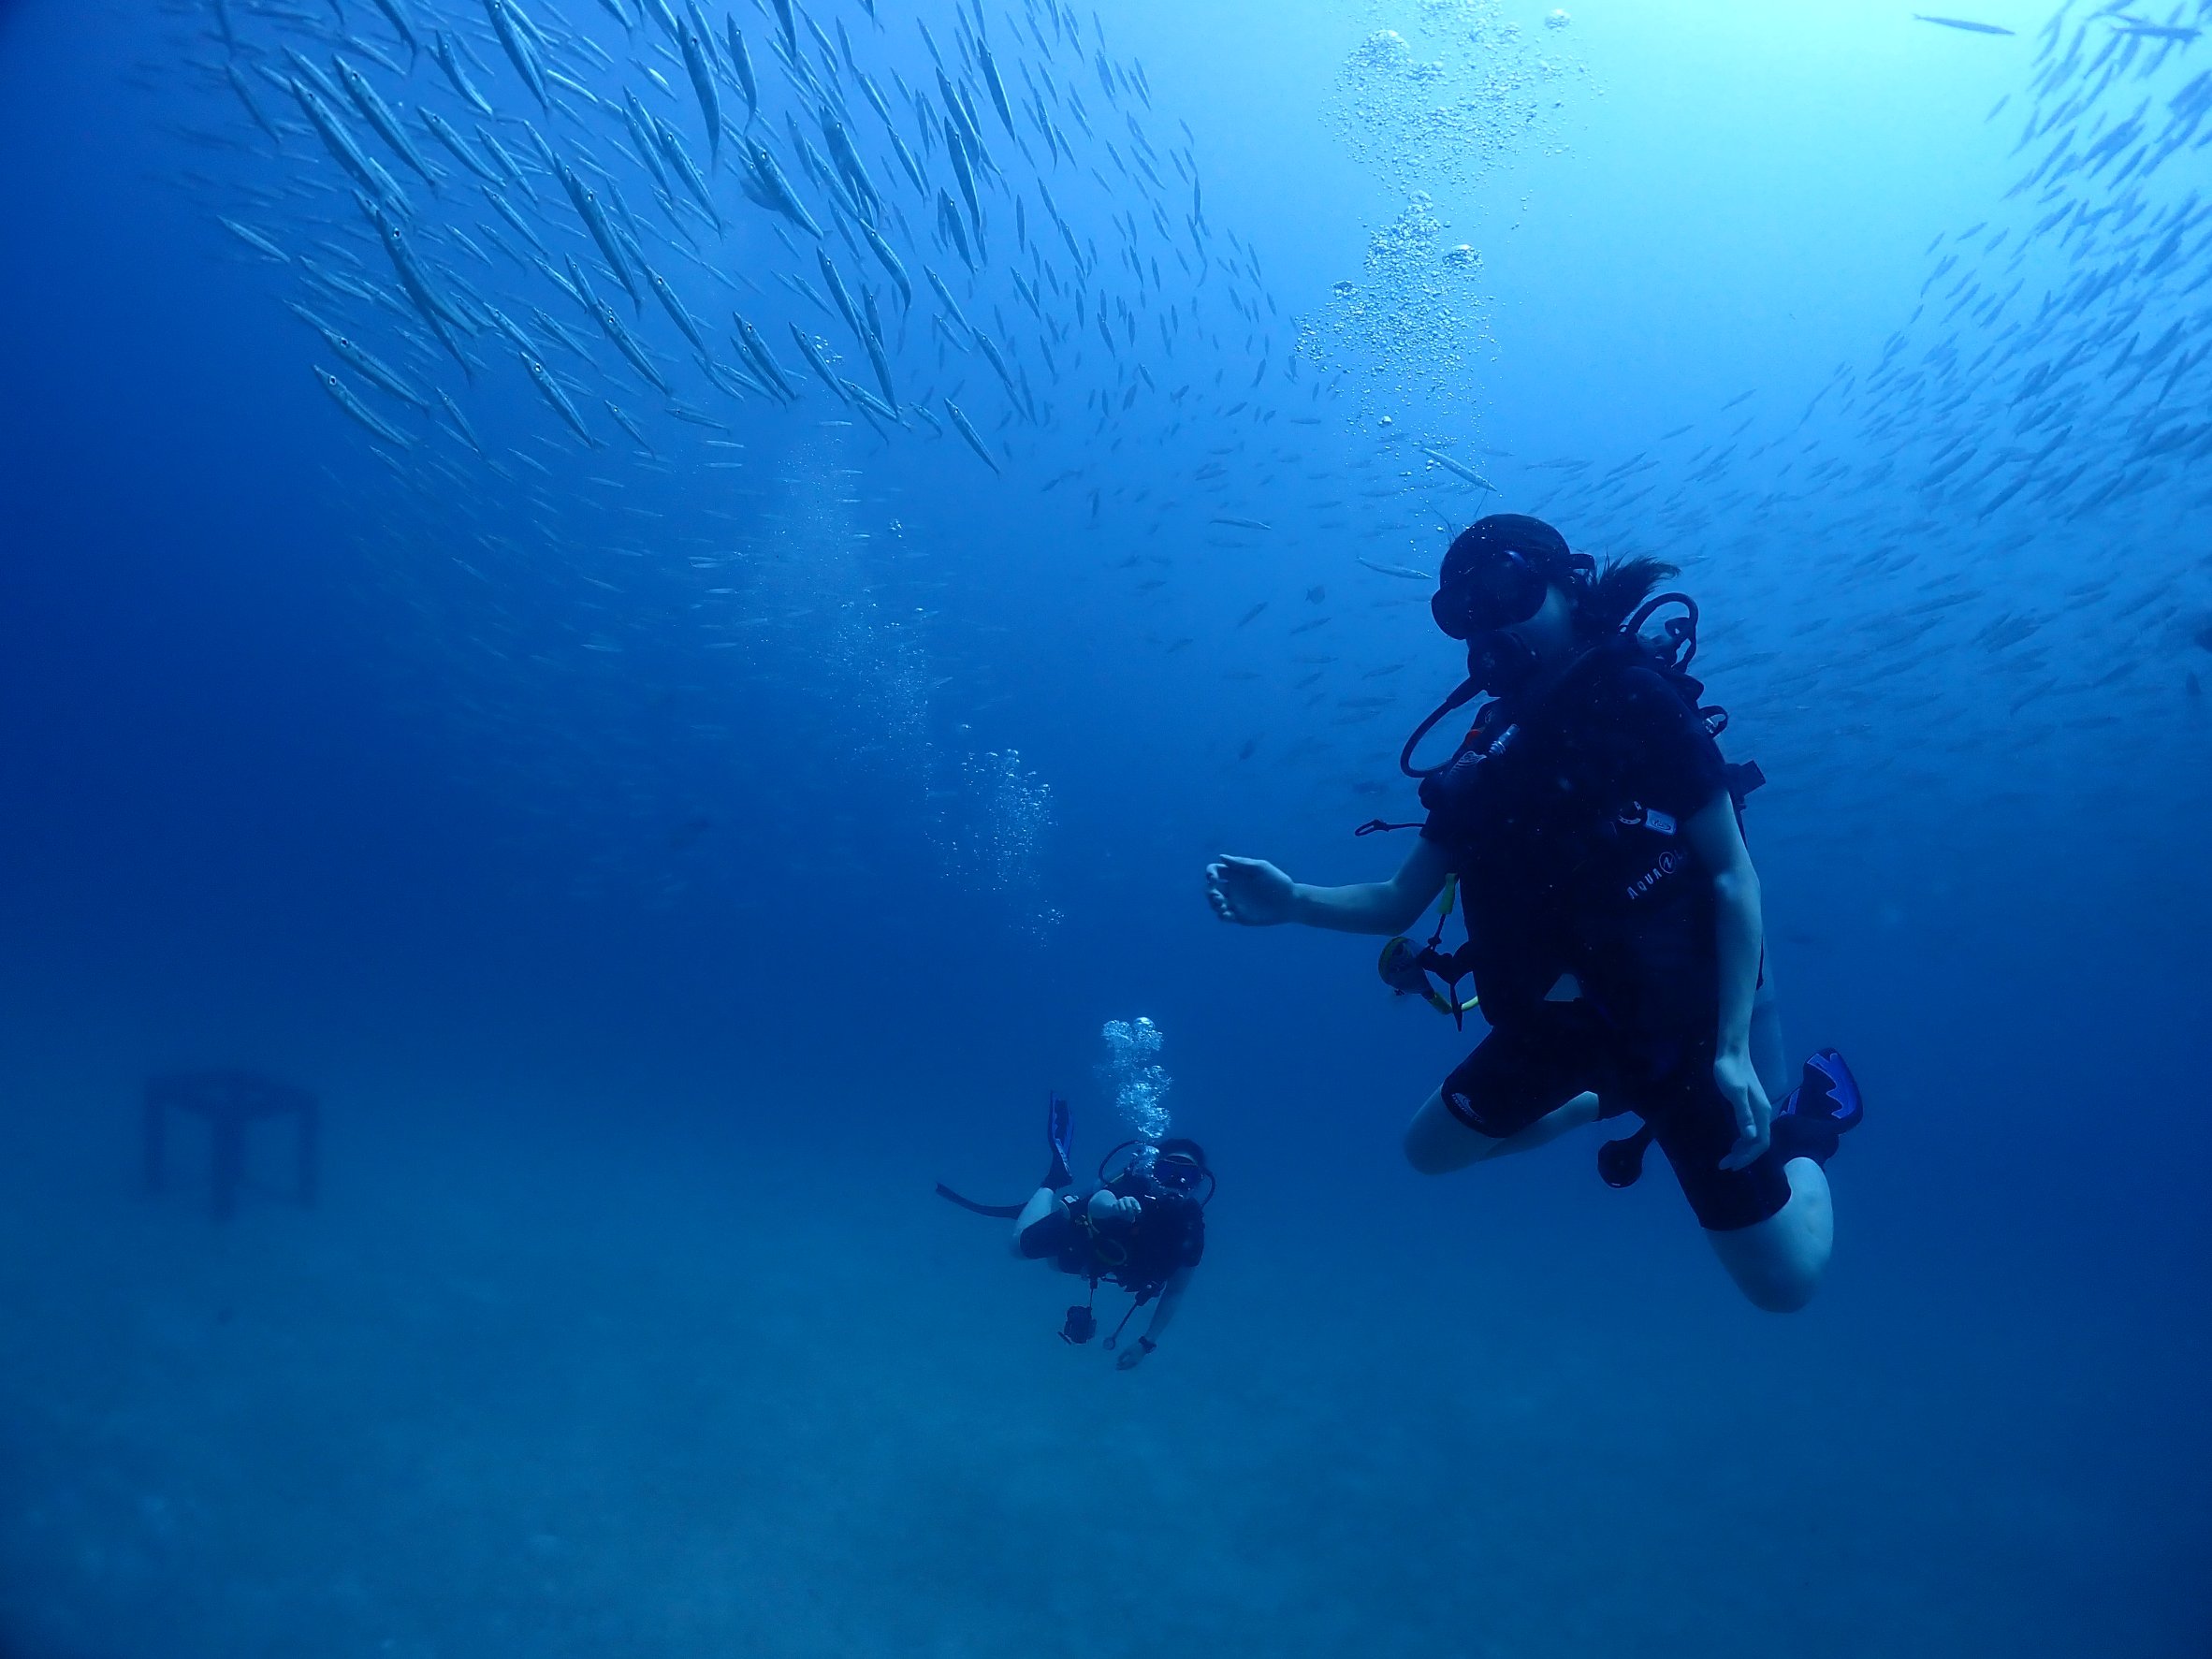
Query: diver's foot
[[1811, 1122], [1059, 1134]]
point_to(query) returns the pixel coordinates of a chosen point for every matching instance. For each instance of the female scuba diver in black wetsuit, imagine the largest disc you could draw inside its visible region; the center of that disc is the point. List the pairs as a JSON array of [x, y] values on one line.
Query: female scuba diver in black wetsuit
[[1614, 930], [1141, 1225]]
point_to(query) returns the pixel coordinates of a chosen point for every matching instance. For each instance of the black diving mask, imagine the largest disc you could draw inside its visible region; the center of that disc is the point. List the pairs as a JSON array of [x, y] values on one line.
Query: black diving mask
[[1498, 592], [1178, 1172]]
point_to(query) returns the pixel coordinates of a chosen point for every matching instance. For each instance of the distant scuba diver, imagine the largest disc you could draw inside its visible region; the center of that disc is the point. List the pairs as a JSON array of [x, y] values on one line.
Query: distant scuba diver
[[1141, 1228], [1593, 833]]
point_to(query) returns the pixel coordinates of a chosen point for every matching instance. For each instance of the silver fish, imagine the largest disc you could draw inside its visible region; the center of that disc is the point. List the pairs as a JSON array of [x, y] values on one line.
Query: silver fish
[[508, 327], [967, 429], [710, 103], [813, 352], [441, 50], [441, 130], [947, 221], [673, 151], [569, 83], [995, 87], [378, 114], [255, 240], [631, 347], [742, 61], [521, 224], [519, 50], [1455, 467], [989, 347], [836, 283], [675, 307], [956, 148], [622, 420], [508, 165], [460, 422], [952, 305], [755, 348], [305, 69], [366, 173], [238, 86], [878, 359], [395, 13], [846, 158], [343, 397], [363, 363], [859, 394], [776, 189], [634, 117], [594, 217], [543, 379], [415, 283], [890, 262], [906, 162]]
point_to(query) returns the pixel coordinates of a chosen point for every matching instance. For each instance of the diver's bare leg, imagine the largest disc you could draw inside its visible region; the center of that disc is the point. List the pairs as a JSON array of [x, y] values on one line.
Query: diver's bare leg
[[1436, 1143], [1778, 1262], [1037, 1209]]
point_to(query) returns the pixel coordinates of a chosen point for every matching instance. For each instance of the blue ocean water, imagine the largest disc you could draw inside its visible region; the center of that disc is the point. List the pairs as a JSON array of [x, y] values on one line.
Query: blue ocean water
[[667, 852]]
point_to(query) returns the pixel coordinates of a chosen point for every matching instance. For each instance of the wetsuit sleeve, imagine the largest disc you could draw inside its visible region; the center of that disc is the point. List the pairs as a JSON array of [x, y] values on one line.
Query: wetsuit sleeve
[[1669, 760]]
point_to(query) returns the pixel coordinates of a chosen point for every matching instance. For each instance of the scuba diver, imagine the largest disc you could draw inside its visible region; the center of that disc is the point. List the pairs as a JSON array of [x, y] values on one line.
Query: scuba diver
[[1591, 831], [1143, 1228]]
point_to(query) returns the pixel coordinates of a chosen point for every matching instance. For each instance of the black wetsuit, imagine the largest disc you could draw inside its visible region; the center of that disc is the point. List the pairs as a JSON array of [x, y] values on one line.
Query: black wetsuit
[[1169, 1235], [1565, 825]]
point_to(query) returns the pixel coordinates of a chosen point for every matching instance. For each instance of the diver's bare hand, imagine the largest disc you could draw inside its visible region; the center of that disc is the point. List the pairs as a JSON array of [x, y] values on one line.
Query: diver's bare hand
[[1739, 1083], [1248, 891], [1133, 1356]]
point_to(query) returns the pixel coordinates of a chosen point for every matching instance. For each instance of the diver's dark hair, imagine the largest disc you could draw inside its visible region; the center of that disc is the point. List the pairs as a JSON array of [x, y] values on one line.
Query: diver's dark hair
[[1605, 600], [1188, 1147]]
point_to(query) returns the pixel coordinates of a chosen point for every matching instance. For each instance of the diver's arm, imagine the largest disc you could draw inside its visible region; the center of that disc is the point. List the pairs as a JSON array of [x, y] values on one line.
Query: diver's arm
[[1163, 1315], [1740, 931], [1252, 892]]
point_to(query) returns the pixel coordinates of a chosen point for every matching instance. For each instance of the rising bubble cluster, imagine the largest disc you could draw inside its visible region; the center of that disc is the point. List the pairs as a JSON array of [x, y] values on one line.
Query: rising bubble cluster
[[1417, 313], [1433, 103], [1140, 1083], [996, 843]]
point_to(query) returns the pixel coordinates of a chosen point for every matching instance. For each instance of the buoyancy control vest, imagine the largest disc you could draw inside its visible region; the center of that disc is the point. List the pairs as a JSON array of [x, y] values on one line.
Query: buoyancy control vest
[[1563, 869]]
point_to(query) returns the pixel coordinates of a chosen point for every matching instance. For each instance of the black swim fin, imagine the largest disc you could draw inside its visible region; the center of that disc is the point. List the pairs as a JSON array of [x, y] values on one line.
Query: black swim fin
[[1621, 1162], [1002, 1211]]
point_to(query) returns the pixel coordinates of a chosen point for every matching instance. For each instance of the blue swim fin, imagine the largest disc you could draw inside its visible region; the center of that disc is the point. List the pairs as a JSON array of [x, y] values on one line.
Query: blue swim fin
[[1824, 1104], [1059, 1134]]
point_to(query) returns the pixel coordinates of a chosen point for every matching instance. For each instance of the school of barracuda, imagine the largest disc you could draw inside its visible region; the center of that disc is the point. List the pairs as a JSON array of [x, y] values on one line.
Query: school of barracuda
[[1010, 256], [458, 173]]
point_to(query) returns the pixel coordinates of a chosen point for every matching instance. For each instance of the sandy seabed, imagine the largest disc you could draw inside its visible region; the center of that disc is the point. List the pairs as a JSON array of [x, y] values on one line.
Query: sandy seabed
[[577, 1392]]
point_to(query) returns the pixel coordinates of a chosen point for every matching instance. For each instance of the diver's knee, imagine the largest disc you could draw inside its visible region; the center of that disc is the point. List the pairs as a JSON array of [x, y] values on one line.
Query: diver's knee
[[1782, 1292], [1773, 1277], [1426, 1150]]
